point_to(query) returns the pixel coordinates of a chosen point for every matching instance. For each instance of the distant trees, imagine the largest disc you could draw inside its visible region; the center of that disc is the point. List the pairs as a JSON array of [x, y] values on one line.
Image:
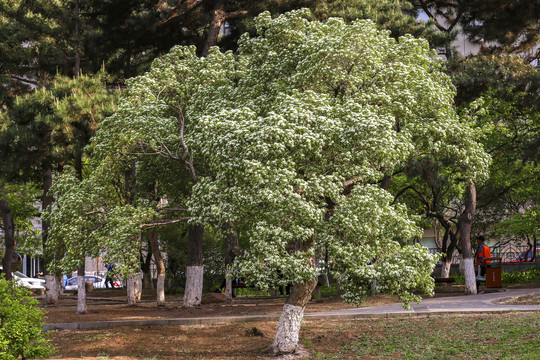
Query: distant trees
[[45, 131]]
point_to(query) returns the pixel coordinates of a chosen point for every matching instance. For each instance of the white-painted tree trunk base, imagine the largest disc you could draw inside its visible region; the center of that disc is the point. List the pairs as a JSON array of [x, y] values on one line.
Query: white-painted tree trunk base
[[288, 330], [461, 265], [228, 290], [470, 277], [81, 295], [374, 287], [134, 289], [138, 287], [194, 286], [161, 290], [445, 269], [52, 289]]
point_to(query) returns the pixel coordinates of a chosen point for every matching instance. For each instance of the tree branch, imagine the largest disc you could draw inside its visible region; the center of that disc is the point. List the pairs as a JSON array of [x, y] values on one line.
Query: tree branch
[[166, 222]]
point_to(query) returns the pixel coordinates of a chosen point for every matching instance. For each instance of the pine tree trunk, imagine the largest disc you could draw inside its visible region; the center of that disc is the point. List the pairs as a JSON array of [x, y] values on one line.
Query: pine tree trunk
[[195, 268], [160, 269], [9, 234], [465, 227], [218, 17], [288, 330], [52, 289], [81, 291]]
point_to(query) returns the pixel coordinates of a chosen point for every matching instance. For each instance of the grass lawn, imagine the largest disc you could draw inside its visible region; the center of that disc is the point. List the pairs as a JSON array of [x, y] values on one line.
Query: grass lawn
[[480, 336]]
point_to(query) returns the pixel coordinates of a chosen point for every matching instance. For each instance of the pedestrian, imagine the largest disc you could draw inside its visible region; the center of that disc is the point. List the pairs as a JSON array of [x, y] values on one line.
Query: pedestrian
[[108, 277], [482, 253]]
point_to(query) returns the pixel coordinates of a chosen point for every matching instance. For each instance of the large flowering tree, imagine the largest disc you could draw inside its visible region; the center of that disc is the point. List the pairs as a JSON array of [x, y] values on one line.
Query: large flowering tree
[[297, 143], [286, 143]]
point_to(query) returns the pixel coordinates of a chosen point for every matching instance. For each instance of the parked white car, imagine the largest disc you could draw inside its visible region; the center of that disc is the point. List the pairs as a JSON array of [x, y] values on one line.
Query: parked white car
[[28, 282], [99, 282]]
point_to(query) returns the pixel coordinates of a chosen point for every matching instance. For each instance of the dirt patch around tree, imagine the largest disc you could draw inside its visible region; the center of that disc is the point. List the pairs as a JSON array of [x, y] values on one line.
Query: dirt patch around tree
[[111, 305]]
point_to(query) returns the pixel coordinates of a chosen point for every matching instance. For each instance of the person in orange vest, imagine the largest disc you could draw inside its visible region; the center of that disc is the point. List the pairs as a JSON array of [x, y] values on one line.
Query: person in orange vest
[[482, 253]]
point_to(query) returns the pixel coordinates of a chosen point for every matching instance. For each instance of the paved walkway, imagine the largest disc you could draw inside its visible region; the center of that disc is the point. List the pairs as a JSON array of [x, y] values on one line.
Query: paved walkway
[[481, 303]]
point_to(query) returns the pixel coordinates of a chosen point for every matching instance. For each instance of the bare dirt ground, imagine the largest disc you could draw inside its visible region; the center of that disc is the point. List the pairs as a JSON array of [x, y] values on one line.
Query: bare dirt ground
[[216, 342], [110, 305]]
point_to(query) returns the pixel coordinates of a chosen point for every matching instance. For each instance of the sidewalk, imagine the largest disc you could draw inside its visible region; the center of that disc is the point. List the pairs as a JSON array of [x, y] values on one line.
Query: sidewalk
[[481, 303]]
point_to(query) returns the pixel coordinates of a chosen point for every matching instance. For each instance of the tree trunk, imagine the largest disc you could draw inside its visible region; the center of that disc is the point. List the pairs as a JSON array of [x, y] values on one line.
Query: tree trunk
[[52, 288], [77, 67], [9, 235], [446, 266], [218, 17], [288, 330], [81, 290], [145, 267], [194, 286], [134, 288], [232, 244], [537, 258], [449, 250], [160, 269], [228, 287], [465, 226], [195, 268]]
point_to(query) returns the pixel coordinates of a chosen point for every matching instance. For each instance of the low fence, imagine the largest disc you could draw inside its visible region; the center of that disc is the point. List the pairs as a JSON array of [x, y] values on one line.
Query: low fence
[[505, 267]]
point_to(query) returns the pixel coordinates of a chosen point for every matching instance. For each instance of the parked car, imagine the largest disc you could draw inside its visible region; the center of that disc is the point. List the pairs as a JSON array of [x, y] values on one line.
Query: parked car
[[37, 285], [526, 256], [28, 282], [99, 282]]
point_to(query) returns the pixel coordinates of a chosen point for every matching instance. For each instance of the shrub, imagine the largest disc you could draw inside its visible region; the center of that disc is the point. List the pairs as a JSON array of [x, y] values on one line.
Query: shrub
[[528, 276], [21, 325]]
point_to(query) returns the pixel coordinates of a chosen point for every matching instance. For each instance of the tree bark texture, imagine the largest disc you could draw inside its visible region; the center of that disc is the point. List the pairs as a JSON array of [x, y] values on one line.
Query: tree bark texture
[[9, 235], [81, 291], [134, 288], [52, 289], [228, 287], [465, 226], [218, 17], [194, 286], [195, 268], [445, 270], [158, 259], [288, 330]]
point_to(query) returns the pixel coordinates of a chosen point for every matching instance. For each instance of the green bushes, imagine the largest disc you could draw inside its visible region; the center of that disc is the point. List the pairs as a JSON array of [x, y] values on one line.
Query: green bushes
[[528, 276], [21, 326]]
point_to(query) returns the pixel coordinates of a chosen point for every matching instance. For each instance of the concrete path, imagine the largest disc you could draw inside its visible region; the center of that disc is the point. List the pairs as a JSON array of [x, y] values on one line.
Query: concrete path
[[481, 303]]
